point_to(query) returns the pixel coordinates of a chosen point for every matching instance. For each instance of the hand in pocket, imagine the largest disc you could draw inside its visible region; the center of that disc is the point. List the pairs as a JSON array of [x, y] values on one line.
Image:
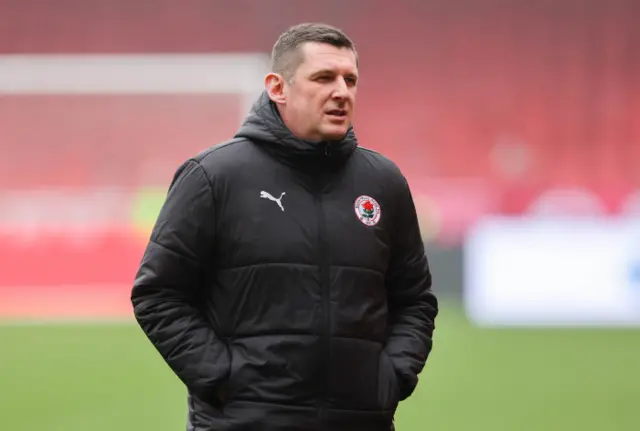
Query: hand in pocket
[[388, 390]]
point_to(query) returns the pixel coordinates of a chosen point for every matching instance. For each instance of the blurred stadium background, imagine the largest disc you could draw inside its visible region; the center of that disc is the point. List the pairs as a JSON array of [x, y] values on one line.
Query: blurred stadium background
[[516, 122]]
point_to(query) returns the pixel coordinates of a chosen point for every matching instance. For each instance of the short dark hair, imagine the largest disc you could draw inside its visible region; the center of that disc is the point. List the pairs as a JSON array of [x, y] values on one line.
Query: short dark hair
[[286, 55]]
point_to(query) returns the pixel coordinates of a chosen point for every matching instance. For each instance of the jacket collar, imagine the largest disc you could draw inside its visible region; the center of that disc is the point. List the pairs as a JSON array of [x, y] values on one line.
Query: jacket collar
[[265, 127]]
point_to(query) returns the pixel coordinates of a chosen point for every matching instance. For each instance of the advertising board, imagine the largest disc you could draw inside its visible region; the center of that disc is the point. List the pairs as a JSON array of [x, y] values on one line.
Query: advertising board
[[553, 272]]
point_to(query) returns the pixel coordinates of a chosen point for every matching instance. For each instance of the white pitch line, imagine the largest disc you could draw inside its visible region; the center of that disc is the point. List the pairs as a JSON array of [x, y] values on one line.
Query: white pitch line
[[132, 74], [81, 74]]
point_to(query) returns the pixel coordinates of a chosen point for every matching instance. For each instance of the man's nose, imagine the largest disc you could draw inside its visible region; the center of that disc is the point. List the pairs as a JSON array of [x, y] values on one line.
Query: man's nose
[[341, 89]]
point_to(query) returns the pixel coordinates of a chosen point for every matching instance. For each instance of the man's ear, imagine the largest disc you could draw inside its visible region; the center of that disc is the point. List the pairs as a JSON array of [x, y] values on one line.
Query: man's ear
[[274, 84]]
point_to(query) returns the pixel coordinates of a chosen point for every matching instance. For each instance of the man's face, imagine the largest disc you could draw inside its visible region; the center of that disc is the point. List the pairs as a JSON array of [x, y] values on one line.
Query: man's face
[[320, 98]]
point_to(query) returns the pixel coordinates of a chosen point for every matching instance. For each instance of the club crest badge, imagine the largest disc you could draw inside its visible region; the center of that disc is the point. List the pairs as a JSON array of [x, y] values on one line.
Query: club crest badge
[[367, 210]]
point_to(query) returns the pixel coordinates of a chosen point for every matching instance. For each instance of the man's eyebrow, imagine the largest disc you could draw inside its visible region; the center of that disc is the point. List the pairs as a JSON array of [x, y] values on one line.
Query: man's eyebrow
[[323, 72], [331, 72]]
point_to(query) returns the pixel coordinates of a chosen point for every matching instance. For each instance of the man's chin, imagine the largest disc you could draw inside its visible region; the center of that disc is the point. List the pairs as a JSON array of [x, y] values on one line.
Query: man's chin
[[334, 133]]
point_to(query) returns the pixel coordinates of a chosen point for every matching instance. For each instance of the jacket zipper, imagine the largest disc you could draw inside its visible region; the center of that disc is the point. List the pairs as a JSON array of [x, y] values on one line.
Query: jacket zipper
[[325, 283]]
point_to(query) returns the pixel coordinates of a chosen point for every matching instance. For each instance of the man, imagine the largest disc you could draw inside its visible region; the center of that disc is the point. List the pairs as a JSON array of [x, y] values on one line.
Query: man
[[285, 282]]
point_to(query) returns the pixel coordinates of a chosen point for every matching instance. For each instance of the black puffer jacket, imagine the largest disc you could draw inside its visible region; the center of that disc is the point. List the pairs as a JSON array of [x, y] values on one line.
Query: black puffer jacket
[[285, 283]]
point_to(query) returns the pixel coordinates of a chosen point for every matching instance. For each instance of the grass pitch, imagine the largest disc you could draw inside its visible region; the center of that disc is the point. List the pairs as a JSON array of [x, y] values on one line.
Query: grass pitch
[[66, 377]]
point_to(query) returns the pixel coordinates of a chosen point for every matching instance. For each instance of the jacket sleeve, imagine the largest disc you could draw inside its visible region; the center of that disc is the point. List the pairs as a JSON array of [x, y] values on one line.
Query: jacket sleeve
[[413, 306], [169, 281]]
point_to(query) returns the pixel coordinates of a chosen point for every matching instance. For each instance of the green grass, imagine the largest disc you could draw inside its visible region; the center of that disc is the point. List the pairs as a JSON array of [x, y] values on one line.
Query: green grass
[[99, 378]]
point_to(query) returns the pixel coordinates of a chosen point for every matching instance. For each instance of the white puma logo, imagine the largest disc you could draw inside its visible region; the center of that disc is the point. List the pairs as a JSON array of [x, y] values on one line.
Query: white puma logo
[[266, 195]]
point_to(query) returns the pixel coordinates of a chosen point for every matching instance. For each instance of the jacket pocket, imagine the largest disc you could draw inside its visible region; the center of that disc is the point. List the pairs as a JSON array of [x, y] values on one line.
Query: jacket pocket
[[353, 371], [224, 391], [388, 388], [276, 368]]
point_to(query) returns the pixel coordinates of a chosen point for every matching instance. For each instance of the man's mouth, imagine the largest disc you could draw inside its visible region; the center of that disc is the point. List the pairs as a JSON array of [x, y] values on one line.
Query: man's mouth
[[337, 112]]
